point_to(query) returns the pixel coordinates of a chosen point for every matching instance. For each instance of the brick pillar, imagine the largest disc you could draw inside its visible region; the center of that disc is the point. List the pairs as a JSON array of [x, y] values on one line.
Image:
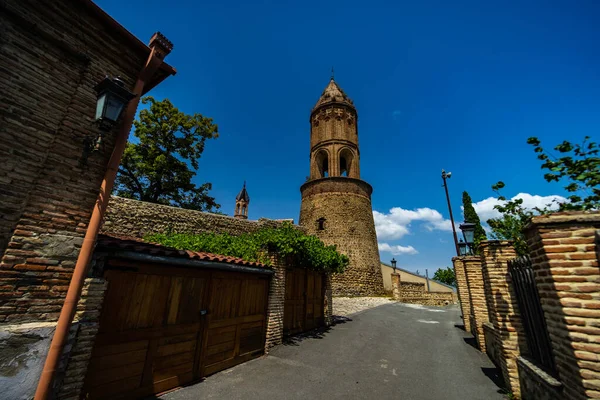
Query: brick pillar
[[479, 313], [565, 251], [463, 291], [508, 337], [275, 306], [396, 286], [328, 301]]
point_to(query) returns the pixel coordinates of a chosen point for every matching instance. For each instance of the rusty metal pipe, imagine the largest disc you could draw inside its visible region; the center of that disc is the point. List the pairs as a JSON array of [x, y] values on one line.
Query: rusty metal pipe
[[44, 388]]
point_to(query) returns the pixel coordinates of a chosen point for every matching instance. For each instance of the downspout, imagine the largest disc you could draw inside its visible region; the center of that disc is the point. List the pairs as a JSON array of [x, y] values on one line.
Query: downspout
[[160, 47]]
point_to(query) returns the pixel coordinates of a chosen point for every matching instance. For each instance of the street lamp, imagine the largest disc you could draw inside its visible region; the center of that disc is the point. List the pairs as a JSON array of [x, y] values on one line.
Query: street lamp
[[468, 230], [462, 248], [112, 97], [394, 264], [448, 175]]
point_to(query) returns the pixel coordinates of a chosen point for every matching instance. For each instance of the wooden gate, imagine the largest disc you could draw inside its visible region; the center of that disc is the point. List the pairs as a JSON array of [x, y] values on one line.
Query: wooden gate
[[162, 327], [304, 300]]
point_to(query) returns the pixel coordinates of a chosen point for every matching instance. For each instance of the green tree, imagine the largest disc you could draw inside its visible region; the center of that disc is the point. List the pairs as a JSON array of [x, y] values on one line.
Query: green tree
[[157, 169], [579, 168], [445, 275], [472, 217]]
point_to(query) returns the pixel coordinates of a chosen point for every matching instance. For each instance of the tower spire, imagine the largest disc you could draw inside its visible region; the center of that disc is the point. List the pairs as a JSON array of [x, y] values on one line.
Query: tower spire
[[332, 74], [242, 200]]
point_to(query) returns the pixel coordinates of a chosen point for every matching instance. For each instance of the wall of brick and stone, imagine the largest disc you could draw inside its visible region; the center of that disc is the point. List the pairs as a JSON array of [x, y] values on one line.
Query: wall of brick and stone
[[133, 218], [504, 335], [565, 252], [462, 289], [345, 203], [536, 384], [276, 303], [477, 299], [415, 293], [51, 57]]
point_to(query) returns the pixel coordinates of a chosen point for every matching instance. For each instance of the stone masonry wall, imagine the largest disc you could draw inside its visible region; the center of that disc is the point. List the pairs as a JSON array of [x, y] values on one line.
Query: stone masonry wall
[[415, 293], [479, 313], [463, 291], [565, 251], [127, 217], [345, 204], [503, 310], [51, 57], [536, 384]]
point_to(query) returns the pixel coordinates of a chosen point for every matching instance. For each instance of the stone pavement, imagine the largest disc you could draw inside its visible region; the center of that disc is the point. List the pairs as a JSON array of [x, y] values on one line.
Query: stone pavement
[[394, 351]]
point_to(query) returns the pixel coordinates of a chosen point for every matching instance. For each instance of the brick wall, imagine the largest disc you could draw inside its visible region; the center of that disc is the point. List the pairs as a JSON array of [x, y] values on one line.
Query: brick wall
[[537, 384], [564, 249], [503, 310], [415, 293], [463, 291], [51, 57], [328, 300], [276, 303], [477, 301], [345, 204]]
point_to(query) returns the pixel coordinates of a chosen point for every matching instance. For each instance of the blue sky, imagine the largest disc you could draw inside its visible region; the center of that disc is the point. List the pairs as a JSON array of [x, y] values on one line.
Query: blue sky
[[456, 85]]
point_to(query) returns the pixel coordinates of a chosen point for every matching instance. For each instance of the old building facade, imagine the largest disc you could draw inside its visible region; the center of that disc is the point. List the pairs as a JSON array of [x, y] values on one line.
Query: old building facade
[[242, 201], [336, 203]]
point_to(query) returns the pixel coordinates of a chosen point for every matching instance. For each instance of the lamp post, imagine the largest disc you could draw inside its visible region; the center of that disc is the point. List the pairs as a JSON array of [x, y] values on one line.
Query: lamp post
[[462, 248], [448, 175], [112, 97], [394, 264], [468, 230]]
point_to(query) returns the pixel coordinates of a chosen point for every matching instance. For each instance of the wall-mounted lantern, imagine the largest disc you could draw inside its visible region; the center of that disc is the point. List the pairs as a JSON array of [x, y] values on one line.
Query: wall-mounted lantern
[[468, 230], [394, 264], [462, 248], [112, 97]]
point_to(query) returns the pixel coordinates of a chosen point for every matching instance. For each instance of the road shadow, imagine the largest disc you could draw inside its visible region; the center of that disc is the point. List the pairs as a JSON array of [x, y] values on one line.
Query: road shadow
[[318, 333], [495, 375], [460, 326], [471, 341]]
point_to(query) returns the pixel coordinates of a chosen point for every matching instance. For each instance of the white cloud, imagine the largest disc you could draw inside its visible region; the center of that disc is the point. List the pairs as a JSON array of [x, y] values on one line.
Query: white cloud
[[396, 223], [397, 249], [485, 208]]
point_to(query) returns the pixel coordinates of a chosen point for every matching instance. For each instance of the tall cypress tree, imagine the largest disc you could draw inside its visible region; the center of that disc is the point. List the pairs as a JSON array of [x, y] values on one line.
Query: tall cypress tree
[[472, 217]]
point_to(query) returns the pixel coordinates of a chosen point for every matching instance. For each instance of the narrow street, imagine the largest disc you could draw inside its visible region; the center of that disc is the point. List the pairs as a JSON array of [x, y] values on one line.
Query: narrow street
[[394, 351]]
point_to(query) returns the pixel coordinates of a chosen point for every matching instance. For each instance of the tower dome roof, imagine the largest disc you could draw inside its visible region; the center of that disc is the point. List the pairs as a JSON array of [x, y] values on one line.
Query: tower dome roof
[[243, 195], [333, 94]]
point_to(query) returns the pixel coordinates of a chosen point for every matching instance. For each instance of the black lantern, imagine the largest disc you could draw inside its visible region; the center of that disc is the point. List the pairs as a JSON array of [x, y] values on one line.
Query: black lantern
[[468, 230], [462, 248], [394, 264], [112, 98]]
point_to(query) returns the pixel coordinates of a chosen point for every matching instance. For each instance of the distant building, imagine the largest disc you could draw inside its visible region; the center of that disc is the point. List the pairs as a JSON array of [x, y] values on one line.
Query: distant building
[[242, 201]]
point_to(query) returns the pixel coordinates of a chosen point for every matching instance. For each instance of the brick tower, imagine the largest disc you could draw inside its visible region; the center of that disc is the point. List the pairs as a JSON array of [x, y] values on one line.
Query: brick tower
[[242, 201], [336, 203]]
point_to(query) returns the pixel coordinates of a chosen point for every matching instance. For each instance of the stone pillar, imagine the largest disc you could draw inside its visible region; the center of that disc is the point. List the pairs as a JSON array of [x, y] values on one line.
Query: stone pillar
[[463, 291], [396, 286], [328, 301], [276, 303], [479, 312], [507, 337], [565, 252]]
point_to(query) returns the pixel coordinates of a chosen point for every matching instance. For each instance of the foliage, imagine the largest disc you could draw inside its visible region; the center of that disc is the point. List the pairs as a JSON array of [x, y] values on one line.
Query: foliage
[[580, 166], [157, 169], [472, 217], [445, 275], [287, 241]]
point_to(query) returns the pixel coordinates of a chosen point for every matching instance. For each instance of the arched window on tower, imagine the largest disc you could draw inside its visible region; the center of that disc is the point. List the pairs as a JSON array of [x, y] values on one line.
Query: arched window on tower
[[322, 164], [321, 224], [346, 159]]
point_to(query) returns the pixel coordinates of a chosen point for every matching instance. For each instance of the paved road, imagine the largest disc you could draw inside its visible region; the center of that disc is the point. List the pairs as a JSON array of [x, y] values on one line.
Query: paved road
[[394, 351]]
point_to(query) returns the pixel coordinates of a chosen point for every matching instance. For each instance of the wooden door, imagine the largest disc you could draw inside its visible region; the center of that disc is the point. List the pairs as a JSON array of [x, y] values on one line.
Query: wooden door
[[236, 322], [150, 332], [304, 300]]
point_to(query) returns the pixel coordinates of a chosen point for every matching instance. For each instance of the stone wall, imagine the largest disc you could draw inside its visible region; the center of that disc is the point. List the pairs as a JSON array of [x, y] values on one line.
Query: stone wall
[[415, 293], [492, 343], [345, 204], [328, 300], [477, 300], [503, 310], [133, 218], [51, 58], [463, 291], [536, 384], [565, 251]]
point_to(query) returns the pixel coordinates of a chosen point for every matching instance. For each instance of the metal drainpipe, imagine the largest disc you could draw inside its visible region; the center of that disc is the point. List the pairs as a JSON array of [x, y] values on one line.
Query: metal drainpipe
[[44, 388]]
